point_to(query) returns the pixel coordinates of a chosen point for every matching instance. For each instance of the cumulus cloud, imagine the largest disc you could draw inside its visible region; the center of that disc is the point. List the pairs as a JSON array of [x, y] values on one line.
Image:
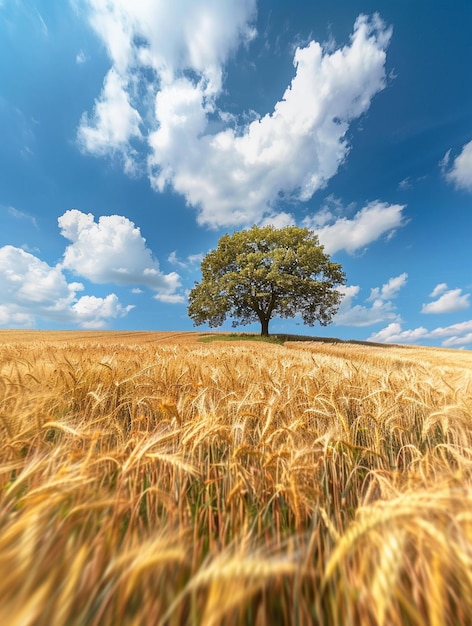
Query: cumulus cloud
[[370, 223], [450, 301], [455, 335], [31, 288], [113, 124], [112, 250], [381, 309], [151, 44], [393, 333], [235, 176], [14, 317], [459, 172], [27, 279], [95, 312], [170, 38]]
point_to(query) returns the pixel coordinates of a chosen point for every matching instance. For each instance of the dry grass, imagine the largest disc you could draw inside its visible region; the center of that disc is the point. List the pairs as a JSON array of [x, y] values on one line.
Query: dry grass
[[149, 479]]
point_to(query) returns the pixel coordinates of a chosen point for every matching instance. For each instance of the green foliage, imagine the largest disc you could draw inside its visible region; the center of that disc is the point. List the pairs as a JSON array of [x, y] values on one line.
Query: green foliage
[[254, 275]]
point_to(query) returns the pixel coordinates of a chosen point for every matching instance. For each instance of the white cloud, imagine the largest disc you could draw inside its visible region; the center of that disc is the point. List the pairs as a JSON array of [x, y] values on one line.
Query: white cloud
[[452, 330], [112, 250], [321, 218], [454, 342], [195, 258], [174, 259], [369, 224], [27, 279], [13, 317], [150, 44], [460, 172], [278, 220], [191, 259], [456, 335], [81, 58], [439, 289], [95, 312], [232, 177], [31, 288], [196, 35], [393, 333], [236, 178], [171, 298], [449, 302], [113, 124], [390, 289], [381, 309]]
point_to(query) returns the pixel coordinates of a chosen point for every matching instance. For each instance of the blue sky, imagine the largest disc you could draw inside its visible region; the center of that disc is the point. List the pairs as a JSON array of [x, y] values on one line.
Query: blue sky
[[133, 135]]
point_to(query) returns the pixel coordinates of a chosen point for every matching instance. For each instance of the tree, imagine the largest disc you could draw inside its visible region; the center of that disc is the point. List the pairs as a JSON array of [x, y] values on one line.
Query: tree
[[265, 272]]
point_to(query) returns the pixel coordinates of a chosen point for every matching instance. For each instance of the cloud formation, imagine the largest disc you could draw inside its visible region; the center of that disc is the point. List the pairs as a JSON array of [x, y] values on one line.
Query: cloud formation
[[381, 309], [148, 54], [95, 312], [237, 175], [447, 301], [438, 290], [370, 223], [390, 289], [115, 122], [455, 335], [31, 288], [459, 172], [450, 301], [393, 333], [111, 250]]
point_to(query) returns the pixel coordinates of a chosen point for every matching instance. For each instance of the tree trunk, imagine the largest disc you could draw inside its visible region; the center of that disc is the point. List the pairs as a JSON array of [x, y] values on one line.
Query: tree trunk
[[264, 327]]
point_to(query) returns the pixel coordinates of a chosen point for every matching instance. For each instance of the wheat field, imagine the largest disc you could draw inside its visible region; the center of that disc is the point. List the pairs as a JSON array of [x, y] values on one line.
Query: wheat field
[[149, 479]]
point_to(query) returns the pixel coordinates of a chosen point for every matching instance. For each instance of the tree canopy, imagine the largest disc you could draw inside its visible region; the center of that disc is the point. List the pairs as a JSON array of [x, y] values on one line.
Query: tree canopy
[[261, 273]]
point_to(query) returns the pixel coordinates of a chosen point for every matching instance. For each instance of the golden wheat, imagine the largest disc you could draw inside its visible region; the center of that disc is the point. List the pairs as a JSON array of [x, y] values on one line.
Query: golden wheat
[[149, 479]]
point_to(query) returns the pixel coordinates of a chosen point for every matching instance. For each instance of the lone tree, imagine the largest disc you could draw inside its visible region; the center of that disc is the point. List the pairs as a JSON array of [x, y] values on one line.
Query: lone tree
[[265, 272]]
